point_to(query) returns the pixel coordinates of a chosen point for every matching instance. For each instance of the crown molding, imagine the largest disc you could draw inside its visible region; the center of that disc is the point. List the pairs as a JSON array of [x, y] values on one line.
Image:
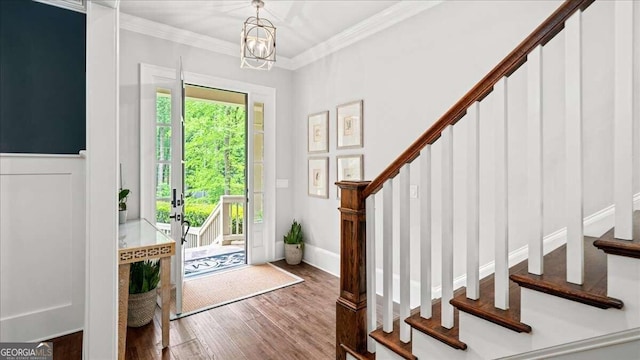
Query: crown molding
[[384, 19], [167, 32], [370, 26]]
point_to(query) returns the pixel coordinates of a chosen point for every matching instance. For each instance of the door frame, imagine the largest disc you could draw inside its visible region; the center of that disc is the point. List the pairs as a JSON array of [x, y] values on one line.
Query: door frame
[[149, 75]]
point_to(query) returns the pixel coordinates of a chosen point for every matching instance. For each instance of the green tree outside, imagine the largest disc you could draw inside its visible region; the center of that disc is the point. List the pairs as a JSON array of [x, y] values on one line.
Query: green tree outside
[[215, 156]]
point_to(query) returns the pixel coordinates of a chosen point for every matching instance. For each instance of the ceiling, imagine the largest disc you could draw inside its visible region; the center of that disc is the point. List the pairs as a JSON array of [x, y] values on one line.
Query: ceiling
[[301, 25]]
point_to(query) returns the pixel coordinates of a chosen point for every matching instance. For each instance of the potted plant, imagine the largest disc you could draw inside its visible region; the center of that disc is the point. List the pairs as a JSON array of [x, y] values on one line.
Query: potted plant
[[122, 205], [293, 244], [143, 281]]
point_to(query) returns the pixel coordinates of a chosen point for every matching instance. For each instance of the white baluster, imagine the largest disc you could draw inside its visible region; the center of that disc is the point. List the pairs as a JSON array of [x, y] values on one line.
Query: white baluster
[[623, 120], [425, 232], [534, 154], [387, 256], [501, 294], [473, 202], [371, 271], [573, 131], [405, 253], [447, 227]]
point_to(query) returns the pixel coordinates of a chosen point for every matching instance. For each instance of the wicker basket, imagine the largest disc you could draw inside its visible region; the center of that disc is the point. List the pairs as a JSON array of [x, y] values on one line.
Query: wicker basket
[[141, 308]]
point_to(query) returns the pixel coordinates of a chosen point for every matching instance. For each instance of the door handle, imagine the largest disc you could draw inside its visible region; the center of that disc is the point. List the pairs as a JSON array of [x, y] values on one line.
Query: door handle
[[184, 234], [177, 217]]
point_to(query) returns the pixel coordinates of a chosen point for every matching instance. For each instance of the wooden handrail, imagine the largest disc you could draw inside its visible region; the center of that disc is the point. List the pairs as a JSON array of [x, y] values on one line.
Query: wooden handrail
[[540, 36]]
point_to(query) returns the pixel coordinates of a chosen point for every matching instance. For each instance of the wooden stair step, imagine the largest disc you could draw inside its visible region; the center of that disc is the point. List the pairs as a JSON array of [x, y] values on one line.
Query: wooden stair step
[[433, 328], [629, 248], [554, 280], [357, 355], [392, 341], [484, 307]]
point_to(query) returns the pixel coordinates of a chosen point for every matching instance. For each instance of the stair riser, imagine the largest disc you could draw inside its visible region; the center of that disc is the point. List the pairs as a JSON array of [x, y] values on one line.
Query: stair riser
[[623, 277], [556, 320], [383, 353], [426, 347], [490, 340]]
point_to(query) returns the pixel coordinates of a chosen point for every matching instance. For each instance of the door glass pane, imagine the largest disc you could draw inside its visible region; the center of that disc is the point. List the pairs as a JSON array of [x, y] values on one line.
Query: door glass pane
[[163, 209], [258, 164], [163, 106], [258, 113], [258, 147], [258, 206], [257, 178], [163, 143], [163, 181]]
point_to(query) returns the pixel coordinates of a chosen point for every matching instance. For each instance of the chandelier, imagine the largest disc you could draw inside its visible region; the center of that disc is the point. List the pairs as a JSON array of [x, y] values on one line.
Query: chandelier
[[257, 41]]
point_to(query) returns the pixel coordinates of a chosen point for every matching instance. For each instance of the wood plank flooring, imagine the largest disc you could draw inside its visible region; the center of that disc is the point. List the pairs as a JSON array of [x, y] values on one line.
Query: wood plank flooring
[[297, 322]]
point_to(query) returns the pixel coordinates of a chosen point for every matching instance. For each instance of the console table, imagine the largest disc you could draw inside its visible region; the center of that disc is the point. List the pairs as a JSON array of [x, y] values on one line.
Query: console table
[[139, 241]]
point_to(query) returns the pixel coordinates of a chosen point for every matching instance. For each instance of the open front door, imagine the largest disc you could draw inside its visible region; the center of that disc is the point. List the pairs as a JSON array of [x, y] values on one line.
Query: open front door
[[179, 227]]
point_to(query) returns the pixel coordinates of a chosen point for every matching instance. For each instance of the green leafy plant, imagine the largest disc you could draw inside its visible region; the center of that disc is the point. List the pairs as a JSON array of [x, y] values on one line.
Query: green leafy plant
[[295, 236], [122, 198], [144, 276]]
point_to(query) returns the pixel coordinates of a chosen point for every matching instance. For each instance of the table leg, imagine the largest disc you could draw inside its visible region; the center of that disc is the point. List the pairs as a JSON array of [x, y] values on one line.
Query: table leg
[[123, 305], [165, 298]]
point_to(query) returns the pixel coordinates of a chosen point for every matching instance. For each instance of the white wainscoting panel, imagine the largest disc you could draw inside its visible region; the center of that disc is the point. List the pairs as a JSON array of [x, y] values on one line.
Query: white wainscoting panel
[[42, 251]]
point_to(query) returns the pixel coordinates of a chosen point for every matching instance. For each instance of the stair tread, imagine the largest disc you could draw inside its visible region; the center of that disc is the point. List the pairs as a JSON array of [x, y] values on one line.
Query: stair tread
[[484, 307], [630, 248], [433, 328], [357, 355], [554, 280], [392, 341]]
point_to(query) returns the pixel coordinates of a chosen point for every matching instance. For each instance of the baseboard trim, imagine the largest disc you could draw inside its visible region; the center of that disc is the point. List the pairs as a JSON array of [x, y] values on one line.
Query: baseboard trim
[[55, 336], [322, 259]]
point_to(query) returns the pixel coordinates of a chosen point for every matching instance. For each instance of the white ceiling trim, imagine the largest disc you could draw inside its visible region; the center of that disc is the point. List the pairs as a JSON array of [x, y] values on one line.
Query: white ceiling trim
[[376, 23], [389, 17], [75, 5]]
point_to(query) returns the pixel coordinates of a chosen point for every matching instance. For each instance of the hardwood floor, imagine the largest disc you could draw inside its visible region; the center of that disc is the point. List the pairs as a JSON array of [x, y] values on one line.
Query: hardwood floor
[[297, 322]]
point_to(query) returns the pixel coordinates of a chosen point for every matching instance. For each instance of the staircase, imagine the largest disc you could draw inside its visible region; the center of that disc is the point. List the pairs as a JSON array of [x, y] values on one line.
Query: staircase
[[585, 289]]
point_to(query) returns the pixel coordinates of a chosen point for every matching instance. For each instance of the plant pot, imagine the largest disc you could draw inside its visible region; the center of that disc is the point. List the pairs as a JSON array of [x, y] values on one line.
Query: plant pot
[[293, 253], [141, 308], [122, 216]]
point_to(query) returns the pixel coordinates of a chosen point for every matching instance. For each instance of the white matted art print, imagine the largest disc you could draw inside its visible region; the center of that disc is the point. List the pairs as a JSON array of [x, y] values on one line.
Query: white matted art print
[[318, 132], [349, 125], [319, 177], [349, 168]]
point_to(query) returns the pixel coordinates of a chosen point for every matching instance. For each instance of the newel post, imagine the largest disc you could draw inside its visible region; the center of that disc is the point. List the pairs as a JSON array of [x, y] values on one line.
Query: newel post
[[351, 306]]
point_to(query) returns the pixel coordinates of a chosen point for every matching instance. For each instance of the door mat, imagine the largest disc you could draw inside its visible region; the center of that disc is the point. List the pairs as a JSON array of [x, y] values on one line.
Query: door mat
[[207, 292], [213, 263]]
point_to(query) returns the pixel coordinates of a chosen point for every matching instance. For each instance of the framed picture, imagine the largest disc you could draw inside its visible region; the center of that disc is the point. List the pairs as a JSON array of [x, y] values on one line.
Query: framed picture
[[349, 168], [319, 177], [349, 125], [318, 132]]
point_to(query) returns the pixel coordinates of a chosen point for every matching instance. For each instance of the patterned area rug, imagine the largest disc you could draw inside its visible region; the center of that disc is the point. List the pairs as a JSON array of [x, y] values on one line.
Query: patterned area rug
[[213, 263]]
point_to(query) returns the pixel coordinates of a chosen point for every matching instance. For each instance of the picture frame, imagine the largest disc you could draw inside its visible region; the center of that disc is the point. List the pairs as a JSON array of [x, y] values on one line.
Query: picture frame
[[318, 177], [349, 168], [349, 125], [318, 132]]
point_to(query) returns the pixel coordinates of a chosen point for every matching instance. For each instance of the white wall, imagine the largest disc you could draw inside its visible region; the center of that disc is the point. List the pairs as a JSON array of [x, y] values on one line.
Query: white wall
[[411, 73], [137, 48]]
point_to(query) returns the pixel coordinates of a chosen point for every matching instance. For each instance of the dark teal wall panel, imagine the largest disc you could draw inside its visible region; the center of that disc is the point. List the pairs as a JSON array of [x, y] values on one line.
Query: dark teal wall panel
[[42, 78]]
